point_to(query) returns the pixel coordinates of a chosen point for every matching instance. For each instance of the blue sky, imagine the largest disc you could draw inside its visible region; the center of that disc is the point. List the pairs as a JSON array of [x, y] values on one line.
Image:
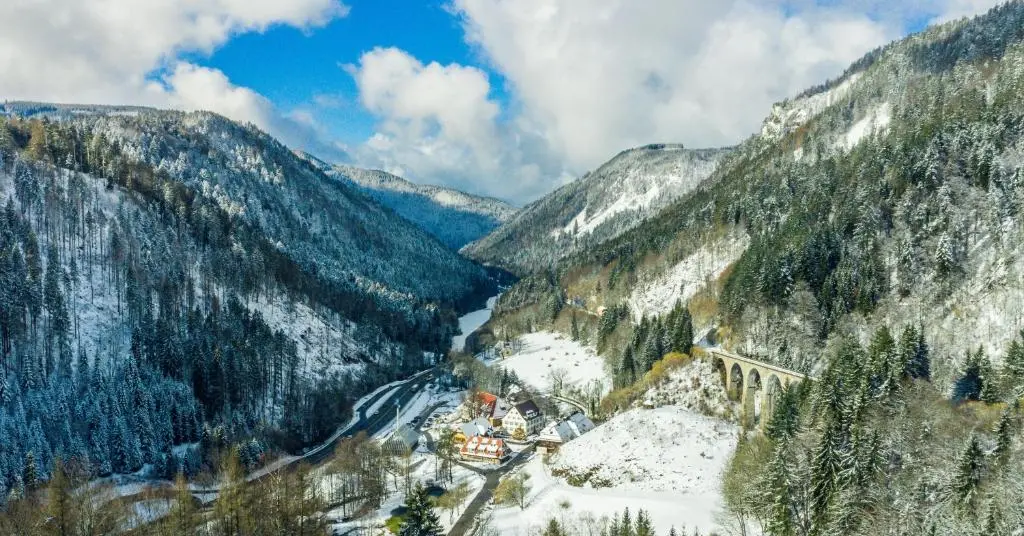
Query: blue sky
[[509, 98], [295, 68]]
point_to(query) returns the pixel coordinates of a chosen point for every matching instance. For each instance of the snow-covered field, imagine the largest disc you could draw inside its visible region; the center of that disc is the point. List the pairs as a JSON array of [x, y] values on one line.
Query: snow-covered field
[[662, 449], [545, 352], [666, 461], [471, 322], [657, 295]]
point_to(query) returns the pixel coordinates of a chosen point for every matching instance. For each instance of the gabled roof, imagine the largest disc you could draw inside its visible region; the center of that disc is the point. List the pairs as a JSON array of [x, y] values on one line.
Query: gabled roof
[[490, 447], [487, 398], [476, 427], [528, 409]]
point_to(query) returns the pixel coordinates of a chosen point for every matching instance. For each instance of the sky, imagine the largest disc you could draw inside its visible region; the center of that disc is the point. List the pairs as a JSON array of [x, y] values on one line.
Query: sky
[[507, 98]]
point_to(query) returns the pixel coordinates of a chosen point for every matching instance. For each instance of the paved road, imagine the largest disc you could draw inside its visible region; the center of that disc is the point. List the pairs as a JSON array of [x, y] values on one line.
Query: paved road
[[369, 423], [468, 517]]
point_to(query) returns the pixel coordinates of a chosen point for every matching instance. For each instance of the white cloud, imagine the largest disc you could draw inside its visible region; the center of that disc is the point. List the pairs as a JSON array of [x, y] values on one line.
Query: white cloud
[[105, 51], [588, 78], [439, 124], [603, 75]]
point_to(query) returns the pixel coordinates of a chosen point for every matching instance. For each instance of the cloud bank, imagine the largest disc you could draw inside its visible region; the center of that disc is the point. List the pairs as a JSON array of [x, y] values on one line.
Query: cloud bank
[[128, 52], [588, 78]]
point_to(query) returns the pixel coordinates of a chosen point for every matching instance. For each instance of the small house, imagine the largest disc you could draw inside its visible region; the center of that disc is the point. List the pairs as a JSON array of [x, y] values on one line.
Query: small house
[[557, 434], [477, 427]]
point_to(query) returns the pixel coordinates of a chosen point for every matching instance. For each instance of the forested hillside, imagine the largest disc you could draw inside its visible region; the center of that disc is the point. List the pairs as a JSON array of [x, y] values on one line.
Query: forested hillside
[[891, 195], [597, 207], [870, 236], [455, 218], [177, 279]]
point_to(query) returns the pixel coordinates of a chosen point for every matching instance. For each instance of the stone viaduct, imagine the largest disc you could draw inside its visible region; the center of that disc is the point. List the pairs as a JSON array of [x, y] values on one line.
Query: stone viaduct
[[754, 384]]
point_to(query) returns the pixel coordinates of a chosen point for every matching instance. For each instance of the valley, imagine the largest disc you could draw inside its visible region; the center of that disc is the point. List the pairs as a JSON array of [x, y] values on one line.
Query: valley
[[817, 331]]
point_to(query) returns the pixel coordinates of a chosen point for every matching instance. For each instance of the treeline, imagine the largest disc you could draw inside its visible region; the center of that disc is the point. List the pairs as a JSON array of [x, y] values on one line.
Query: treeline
[[285, 503]]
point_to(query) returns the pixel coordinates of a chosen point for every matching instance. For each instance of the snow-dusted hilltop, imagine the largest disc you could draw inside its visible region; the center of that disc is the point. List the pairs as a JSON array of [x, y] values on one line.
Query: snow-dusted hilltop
[[165, 273], [599, 206], [454, 217]]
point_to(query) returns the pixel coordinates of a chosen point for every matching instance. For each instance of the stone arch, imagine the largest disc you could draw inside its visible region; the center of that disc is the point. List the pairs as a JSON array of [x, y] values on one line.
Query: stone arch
[[736, 382], [772, 392], [719, 366], [753, 396]]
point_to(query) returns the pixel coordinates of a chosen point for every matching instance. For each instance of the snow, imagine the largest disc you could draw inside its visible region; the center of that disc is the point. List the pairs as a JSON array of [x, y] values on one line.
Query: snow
[[656, 295], [470, 322], [543, 352], [323, 342], [788, 116], [638, 187], [875, 121], [631, 451], [697, 387], [424, 464]]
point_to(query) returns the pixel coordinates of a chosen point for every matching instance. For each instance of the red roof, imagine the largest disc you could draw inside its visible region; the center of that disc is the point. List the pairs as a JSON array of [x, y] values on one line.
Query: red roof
[[484, 447], [487, 398]]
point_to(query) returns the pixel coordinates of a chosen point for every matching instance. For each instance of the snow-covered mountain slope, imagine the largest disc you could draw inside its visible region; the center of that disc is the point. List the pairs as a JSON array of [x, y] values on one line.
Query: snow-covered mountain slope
[[892, 195], [162, 273], [454, 217], [599, 206]]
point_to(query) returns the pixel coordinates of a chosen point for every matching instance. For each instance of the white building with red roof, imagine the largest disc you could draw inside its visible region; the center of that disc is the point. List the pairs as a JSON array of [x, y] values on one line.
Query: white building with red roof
[[484, 449]]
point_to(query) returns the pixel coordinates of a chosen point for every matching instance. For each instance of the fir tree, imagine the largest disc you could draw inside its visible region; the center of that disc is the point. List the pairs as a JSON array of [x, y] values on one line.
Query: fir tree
[[1004, 435], [643, 524], [1013, 368], [420, 518], [777, 495], [30, 473], [627, 368], [575, 328], [970, 466]]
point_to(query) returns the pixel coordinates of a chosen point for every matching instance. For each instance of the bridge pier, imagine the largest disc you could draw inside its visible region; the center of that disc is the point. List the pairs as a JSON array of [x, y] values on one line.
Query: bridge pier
[[754, 384]]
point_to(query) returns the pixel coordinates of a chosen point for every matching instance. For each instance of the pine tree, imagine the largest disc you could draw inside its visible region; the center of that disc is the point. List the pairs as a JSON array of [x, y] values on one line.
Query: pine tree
[[575, 328], [1004, 435], [989, 393], [553, 529], [30, 473], [777, 495], [968, 386], [643, 524], [1013, 368], [420, 518], [626, 524], [627, 368], [970, 466], [682, 339]]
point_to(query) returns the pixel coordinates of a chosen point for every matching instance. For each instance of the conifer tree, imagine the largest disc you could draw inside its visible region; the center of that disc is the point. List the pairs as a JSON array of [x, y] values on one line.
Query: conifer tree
[[643, 524], [1004, 435], [682, 339], [970, 466], [777, 495], [30, 473], [420, 518], [627, 368]]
